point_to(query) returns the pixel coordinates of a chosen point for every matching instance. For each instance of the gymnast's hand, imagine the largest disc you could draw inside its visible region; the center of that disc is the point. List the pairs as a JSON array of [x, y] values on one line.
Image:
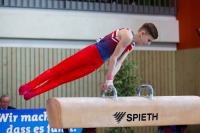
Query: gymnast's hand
[[109, 81], [105, 86]]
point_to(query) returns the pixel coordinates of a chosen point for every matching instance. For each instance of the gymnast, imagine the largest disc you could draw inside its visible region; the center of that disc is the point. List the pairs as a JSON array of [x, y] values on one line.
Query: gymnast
[[114, 46]]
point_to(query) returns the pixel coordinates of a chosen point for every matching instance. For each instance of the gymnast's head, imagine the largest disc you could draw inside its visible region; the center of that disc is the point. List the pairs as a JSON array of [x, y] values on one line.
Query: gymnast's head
[[146, 34]]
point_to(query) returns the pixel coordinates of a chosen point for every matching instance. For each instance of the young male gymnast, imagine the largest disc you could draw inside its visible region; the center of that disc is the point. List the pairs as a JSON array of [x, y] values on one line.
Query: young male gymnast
[[114, 46]]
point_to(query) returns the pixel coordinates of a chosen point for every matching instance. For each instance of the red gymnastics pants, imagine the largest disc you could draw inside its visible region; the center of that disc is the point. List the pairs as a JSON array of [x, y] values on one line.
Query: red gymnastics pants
[[76, 66]]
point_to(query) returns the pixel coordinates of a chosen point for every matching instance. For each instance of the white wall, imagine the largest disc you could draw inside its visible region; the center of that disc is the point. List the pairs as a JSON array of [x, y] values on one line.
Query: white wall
[[66, 25]]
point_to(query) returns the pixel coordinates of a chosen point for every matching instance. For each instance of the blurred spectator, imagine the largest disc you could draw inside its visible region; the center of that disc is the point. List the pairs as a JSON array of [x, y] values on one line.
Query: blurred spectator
[[4, 102]]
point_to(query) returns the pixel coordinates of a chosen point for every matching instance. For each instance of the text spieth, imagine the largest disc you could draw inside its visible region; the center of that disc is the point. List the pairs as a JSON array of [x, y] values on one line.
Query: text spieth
[[142, 117]]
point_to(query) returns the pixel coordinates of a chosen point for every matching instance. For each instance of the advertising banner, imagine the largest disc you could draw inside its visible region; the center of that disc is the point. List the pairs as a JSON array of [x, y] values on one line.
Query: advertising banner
[[28, 121]]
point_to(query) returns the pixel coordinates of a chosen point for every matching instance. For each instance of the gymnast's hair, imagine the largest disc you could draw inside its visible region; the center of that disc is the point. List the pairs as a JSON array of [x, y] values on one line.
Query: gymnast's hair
[[151, 29]]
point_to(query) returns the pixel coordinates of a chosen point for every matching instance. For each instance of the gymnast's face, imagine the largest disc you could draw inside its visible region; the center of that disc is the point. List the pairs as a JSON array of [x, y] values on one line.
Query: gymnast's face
[[144, 38]]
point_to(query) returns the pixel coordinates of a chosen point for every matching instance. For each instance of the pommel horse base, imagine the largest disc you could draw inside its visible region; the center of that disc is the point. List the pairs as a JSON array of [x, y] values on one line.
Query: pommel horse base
[[93, 112]]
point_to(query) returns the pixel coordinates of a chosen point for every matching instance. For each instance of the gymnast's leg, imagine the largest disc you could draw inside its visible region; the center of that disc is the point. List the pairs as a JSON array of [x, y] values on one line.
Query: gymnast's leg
[[81, 58], [67, 77]]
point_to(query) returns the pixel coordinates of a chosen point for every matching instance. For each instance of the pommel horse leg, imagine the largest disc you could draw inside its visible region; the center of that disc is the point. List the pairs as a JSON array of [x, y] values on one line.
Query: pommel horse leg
[[85, 130], [89, 130], [65, 130], [170, 129]]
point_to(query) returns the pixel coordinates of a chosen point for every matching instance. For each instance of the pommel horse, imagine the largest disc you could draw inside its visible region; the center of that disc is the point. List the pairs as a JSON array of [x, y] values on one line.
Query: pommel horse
[[94, 112]]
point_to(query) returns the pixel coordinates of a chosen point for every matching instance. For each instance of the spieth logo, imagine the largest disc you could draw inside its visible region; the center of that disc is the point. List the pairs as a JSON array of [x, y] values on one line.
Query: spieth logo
[[119, 116], [136, 117]]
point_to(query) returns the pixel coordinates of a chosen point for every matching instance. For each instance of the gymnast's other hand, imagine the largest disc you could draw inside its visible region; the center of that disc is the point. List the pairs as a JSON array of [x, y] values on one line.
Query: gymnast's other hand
[[105, 86]]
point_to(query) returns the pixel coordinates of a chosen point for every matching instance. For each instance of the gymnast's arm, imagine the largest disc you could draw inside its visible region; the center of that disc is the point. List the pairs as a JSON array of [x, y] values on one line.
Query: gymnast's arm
[[120, 61], [118, 56]]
